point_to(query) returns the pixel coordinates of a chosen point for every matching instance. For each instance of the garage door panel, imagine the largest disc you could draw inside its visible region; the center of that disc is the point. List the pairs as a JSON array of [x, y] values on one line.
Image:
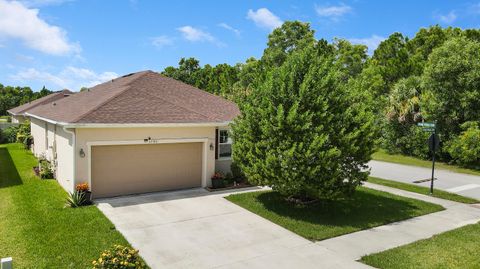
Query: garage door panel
[[128, 169]]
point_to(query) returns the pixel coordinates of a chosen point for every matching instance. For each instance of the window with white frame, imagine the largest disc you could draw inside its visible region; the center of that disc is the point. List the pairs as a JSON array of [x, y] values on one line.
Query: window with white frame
[[224, 144]]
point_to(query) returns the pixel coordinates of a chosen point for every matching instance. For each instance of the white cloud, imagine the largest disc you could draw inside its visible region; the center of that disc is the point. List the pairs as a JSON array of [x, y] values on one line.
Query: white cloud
[[20, 22], [193, 34], [333, 12], [371, 42], [230, 28], [264, 18], [70, 78], [447, 18], [162, 41]]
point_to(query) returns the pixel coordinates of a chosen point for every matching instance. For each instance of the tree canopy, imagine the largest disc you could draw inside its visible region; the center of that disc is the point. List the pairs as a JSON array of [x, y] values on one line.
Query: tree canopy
[[431, 76], [11, 97]]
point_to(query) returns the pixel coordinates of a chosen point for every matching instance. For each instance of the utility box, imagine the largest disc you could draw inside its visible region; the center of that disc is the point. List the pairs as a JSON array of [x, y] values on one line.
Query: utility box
[[6, 263]]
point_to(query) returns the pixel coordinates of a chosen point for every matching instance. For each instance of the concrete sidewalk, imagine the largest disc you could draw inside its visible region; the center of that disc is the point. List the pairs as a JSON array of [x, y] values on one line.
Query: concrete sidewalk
[[354, 246]]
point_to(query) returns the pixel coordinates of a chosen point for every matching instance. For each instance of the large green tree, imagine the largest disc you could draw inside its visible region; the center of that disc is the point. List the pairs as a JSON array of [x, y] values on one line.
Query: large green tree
[[303, 132], [286, 39], [451, 83]]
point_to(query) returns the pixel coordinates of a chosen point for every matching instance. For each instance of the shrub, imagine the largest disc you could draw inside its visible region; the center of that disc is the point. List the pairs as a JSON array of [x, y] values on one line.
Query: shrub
[[24, 135], [405, 139], [304, 132], [46, 171], [9, 135], [237, 173], [119, 257], [465, 148], [76, 199]]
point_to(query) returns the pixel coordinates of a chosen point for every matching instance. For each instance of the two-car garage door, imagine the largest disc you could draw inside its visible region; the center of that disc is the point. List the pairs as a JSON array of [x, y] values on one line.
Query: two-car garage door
[[129, 169]]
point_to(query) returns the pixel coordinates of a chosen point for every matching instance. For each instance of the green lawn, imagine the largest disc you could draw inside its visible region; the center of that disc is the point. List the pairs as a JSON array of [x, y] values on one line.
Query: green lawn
[[383, 156], [366, 209], [458, 248], [35, 228], [423, 190]]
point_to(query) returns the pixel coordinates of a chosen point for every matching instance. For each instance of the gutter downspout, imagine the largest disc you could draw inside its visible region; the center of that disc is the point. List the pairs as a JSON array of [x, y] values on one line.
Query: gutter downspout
[[74, 146]]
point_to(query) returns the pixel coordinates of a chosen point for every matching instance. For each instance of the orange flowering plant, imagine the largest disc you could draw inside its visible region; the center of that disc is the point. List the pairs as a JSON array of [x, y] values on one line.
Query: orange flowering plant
[[218, 175], [81, 187]]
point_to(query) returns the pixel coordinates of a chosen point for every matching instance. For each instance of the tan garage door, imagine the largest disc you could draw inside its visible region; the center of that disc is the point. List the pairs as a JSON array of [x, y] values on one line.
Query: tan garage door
[[128, 169]]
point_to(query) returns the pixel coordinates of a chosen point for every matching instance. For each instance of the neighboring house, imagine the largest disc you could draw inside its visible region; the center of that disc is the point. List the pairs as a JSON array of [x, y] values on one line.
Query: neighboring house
[[142, 132], [18, 113]]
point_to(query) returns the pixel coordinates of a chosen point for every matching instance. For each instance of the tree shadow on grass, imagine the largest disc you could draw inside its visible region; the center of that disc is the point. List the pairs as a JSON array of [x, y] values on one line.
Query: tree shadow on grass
[[367, 208], [8, 173]]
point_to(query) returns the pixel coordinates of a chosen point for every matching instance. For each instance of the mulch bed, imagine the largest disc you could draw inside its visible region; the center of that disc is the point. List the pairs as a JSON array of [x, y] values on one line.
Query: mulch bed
[[231, 187]]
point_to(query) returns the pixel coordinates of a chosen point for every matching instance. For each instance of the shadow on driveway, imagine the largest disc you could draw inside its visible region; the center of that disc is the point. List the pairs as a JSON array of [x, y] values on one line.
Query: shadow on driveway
[[154, 197]]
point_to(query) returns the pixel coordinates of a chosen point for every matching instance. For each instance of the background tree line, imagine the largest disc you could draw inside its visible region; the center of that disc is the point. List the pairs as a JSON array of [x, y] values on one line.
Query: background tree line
[[434, 76], [11, 97]]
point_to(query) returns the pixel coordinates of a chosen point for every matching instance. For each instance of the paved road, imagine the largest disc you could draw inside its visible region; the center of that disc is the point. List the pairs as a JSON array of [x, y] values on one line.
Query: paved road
[[463, 184]]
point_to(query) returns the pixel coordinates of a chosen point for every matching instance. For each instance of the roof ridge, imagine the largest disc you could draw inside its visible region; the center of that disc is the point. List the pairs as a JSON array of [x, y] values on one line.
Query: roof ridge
[[195, 88], [109, 99]]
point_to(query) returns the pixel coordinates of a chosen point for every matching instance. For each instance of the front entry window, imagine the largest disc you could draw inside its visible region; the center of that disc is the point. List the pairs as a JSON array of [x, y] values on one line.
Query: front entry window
[[224, 144]]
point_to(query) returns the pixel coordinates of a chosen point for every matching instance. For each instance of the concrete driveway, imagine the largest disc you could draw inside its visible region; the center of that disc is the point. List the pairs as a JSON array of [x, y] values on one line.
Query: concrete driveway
[[199, 229]]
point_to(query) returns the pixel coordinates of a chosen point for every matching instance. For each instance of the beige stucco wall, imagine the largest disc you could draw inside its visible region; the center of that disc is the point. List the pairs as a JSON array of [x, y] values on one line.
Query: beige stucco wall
[[58, 146], [38, 132], [52, 142], [223, 165], [51, 131], [84, 135], [64, 160]]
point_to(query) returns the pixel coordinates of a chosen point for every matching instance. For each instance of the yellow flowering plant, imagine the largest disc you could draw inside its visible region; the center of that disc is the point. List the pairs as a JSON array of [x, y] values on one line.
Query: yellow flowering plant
[[119, 257]]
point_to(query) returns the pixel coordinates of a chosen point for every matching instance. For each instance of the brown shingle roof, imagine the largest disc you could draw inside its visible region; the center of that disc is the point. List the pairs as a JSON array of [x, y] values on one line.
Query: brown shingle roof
[[19, 110], [143, 97]]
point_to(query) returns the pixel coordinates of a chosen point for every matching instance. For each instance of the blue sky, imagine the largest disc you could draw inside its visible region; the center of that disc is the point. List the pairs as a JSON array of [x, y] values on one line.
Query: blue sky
[[75, 43]]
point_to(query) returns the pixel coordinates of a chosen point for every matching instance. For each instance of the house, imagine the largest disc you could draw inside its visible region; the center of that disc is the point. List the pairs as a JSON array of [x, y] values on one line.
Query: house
[[142, 132], [18, 113]]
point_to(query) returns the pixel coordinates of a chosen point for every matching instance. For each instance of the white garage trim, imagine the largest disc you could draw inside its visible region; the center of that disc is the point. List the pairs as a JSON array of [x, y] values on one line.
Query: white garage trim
[[153, 142]]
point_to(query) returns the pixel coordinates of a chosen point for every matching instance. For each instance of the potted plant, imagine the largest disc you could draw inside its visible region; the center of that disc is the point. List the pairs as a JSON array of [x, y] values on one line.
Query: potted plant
[[217, 180], [83, 188]]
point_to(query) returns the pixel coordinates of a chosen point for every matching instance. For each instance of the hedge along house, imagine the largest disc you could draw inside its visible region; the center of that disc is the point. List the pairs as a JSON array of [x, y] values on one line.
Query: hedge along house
[[18, 113], [142, 132]]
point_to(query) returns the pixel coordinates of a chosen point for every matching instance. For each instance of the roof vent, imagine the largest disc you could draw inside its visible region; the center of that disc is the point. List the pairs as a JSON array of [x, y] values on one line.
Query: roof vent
[[127, 75], [54, 103]]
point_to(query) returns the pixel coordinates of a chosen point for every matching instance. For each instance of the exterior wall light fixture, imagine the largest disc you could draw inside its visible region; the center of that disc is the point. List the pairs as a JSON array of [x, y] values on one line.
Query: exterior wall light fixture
[[82, 153]]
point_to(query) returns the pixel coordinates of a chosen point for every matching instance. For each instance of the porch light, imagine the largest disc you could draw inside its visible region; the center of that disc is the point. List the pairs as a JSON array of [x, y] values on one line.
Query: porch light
[[82, 153], [211, 146]]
